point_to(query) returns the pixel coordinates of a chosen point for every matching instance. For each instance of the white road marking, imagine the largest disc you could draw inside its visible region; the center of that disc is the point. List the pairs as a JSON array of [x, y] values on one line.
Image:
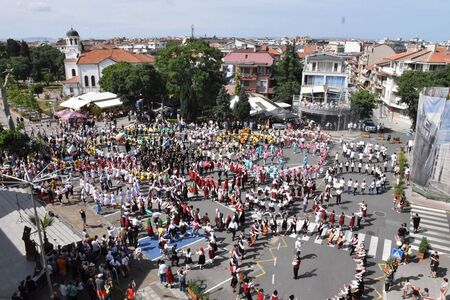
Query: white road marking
[[386, 249], [216, 286], [421, 208], [429, 213], [373, 246], [430, 238]]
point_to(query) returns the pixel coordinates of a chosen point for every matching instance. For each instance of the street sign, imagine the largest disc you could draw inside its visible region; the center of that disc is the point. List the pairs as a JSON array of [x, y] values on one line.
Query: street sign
[[397, 253]]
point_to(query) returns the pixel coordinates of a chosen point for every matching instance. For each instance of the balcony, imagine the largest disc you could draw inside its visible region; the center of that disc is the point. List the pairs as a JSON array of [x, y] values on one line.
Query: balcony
[[314, 106], [247, 77]]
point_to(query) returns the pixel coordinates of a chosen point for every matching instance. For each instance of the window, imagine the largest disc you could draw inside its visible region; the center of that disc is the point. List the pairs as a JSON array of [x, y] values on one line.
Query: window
[[74, 73], [86, 81], [70, 41], [71, 90], [76, 41], [92, 80], [246, 83], [314, 66], [335, 67]]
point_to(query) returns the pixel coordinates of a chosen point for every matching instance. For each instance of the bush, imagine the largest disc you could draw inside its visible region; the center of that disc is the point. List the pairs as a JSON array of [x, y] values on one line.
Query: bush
[[423, 246], [399, 189], [195, 288], [37, 88]]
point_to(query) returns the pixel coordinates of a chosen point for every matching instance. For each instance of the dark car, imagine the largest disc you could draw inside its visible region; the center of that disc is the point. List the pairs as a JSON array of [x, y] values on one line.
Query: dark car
[[368, 125]]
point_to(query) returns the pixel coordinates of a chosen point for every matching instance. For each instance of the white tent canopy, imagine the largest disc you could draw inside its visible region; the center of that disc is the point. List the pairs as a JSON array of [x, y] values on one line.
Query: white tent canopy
[[259, 103], [109, 103], [74, 103], [102, 100]]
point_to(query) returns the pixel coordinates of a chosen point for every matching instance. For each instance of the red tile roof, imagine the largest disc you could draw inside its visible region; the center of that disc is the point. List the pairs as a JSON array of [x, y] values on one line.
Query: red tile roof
[[423, 56], [435, 57], [75, 79], [249, 58], [118, 55], [307, 50], [273, 52], [405, 55]]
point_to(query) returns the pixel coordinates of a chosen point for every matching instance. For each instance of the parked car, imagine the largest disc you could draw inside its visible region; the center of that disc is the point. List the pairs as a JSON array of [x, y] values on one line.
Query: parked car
[[368, 125]]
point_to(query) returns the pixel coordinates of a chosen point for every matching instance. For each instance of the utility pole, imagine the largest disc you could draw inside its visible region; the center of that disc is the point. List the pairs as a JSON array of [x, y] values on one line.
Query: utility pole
[[192, 31]]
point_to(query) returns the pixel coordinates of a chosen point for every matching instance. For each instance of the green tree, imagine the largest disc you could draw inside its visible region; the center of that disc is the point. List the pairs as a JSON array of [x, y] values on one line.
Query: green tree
[[284, 91], [133, 82], [21, 67], [46, 59], [45, 223], [147, 83], [21, 97], [15, 142], [12, 48], [192, 73], [411, 83], [362, 104], [222, 110], [37, 88], [237, 82], [24, 49], [241, 109], [48, 78], [287, 76], [114, 80]]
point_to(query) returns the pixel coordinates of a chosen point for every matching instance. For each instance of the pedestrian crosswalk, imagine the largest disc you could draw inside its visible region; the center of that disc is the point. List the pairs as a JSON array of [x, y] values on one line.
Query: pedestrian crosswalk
[[377, 248], [434, 225]]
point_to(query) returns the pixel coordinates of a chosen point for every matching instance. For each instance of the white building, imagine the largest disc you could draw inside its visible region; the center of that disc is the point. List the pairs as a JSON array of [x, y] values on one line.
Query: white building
[[352, 47], [424, 60], [324, 92], [144, 48], [84, 69]]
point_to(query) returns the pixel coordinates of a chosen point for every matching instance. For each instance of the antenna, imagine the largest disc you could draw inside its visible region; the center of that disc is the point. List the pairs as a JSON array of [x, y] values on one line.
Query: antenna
[[192, 31]]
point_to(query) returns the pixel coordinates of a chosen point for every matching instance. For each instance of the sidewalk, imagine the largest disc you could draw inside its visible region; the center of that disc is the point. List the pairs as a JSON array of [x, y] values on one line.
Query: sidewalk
[[418, 274], [417, 199]]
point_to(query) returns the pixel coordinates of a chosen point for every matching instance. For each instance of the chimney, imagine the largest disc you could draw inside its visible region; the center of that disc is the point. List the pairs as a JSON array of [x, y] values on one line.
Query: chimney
[[431, 47]]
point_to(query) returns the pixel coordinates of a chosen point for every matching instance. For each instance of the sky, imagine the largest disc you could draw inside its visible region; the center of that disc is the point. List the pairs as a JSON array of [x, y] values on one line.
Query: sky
[[372, 19]]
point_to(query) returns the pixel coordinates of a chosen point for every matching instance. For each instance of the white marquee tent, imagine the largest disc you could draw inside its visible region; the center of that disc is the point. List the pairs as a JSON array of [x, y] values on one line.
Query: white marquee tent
[[102, 100]]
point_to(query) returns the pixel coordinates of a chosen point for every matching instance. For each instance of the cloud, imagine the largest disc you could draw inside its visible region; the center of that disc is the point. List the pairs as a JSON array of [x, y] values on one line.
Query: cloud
[[40, 6]]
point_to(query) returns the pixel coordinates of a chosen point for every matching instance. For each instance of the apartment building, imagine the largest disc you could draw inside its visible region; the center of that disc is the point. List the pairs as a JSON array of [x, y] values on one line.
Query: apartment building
[[425, 60], [253, 68]]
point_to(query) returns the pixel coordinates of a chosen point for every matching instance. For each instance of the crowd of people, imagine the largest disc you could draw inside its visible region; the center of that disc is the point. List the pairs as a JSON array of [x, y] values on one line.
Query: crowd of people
[[245, 171]]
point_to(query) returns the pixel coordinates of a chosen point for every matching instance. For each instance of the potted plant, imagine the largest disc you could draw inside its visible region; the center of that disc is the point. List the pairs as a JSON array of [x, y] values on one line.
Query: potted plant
[[398, 190], [194, 290], [423, 248]]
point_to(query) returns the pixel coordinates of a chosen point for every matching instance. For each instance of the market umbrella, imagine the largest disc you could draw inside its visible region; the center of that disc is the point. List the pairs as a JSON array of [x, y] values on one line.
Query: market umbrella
[[63, 112], [72, 115]]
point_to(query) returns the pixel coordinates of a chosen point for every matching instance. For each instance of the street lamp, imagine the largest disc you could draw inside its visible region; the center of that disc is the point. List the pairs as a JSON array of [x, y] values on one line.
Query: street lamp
[[31, 184]]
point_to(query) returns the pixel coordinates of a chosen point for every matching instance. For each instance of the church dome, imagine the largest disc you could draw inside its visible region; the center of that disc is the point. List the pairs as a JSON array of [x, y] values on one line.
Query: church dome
[[72, 32]]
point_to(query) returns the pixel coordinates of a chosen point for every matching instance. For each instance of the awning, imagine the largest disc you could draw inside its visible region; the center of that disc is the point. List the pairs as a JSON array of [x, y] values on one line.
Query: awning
[[74, 103], [312, 89], [109, 103]]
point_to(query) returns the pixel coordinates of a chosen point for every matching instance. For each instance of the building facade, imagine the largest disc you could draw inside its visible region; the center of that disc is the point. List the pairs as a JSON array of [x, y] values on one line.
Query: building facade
[[83, 69], [425, 60], [252, 68], [324, 93]]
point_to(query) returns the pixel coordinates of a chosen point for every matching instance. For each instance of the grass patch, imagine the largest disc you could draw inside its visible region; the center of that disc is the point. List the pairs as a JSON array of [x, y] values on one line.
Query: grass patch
[[45, 106]]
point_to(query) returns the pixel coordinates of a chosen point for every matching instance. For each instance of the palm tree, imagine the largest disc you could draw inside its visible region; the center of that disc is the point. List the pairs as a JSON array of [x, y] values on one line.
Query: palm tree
[[46, 222]]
